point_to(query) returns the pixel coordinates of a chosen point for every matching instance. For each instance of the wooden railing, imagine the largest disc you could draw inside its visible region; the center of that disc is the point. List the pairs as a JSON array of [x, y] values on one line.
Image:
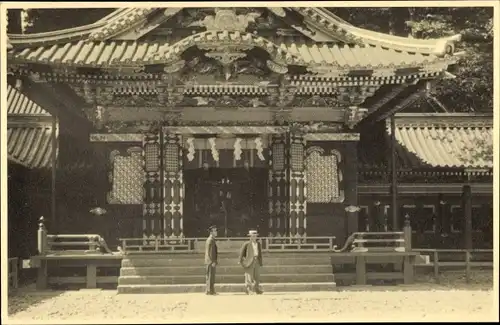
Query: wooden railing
[[466, 262], [69, 243], [197, 245], [80, 253], [13, 273], [398, 241]]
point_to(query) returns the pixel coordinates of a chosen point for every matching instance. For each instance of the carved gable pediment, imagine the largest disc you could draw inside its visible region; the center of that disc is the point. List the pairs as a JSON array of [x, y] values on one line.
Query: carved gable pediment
[[213, 68], [157, 22]]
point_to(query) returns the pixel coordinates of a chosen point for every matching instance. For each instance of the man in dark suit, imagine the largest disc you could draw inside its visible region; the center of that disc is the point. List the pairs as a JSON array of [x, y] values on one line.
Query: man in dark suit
[[211, 260], [251, 260]]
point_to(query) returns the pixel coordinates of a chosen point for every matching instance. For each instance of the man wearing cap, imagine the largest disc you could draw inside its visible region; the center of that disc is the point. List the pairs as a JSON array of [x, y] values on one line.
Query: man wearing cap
[[211, 260], [251, 260]]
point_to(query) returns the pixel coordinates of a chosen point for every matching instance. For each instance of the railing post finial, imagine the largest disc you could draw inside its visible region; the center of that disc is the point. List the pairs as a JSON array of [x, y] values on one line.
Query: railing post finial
[[42, 237], [41, 223], [407, 220]]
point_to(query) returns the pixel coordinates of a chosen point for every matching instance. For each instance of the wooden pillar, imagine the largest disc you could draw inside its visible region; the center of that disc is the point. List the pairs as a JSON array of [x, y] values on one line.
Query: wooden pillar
[[53, 162], [377, 217], [277, 185], [394, 186], [440, 215], [467, 208], [297, 186], [350, 168], [152, 205], [173, 190]]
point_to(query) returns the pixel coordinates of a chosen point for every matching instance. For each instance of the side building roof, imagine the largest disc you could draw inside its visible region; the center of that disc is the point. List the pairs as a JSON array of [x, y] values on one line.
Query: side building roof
[[439, 141], [29, 129]]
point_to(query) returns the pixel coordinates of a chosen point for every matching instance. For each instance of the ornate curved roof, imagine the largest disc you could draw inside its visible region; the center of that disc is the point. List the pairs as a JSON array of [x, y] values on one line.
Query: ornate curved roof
[[319, 24]]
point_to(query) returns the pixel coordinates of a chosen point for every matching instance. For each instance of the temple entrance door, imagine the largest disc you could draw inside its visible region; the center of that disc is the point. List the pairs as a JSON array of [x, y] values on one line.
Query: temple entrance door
[[233, 199]]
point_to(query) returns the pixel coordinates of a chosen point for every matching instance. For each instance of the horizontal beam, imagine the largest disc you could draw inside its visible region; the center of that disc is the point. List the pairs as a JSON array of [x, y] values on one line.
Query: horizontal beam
[[332, 137], [225, 129], [29, 120], [424, 189], [116, 137]]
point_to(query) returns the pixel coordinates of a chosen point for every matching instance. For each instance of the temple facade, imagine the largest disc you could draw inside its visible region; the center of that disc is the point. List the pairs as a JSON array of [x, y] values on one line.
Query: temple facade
[[166, 121]]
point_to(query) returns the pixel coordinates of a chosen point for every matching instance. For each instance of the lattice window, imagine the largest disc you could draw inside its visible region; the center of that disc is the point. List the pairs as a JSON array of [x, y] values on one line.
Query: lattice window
[[152, 157], [322, 176], [127, 178], [171, 158], [278, 156], [297, 155]]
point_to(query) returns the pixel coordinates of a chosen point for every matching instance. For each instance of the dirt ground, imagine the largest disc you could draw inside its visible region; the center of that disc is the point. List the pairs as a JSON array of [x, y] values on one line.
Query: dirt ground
[[449, 301]]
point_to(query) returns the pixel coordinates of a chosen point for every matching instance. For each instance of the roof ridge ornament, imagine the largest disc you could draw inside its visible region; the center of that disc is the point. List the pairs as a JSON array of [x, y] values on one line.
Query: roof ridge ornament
[[226, 19]]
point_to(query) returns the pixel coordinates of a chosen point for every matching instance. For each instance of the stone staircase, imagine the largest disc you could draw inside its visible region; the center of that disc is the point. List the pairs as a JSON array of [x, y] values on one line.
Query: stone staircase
[[185, 272]]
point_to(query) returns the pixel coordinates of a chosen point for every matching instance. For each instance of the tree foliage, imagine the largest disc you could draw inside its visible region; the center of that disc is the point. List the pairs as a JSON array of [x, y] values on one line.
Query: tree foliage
[[48, 20], [471, 91]]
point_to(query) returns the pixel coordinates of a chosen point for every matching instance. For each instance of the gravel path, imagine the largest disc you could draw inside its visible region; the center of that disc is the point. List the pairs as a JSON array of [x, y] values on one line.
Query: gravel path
[[421, 304]]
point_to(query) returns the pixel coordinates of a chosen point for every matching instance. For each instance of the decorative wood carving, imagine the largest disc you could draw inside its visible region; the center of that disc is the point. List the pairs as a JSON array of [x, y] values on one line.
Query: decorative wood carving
[[276, 67], [282, 117], [174, 67], [225, 58], [116, 137], [226, 19], [152, 206], [353, 115], [104, 95], [135, 100], [278, 11], [297, 186], [315, 101], [173, 185], [278, 207], [324, 176], [283, 95], [126, 177]]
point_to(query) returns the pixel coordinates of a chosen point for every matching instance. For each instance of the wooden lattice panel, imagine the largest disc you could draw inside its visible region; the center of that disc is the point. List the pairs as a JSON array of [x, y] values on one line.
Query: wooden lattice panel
[[323, 176], [279, 154], [151, 157], [127, 177]]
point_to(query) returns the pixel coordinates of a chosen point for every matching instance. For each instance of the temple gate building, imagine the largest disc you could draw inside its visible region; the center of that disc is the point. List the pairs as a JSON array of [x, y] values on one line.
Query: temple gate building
[[278, 119]]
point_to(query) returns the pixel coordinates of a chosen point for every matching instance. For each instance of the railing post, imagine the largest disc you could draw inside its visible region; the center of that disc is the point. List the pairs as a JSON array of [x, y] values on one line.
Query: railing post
[[407, 233], [436, 266], [467, 266], [15, 273], [124, 245], [42, 237], [92, 244]]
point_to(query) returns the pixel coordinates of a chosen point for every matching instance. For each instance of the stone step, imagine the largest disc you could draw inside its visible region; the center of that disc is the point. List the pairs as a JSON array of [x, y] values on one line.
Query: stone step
[[226, 278], [129, 261], [226, 288], [234, 269]]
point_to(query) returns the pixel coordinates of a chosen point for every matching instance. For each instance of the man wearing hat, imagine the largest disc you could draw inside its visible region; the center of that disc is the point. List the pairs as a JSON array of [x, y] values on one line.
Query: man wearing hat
[[251, 260], [211, 260]]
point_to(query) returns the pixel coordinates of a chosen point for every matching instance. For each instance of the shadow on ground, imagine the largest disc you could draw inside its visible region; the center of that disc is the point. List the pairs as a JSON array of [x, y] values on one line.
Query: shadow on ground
[[26, 297]]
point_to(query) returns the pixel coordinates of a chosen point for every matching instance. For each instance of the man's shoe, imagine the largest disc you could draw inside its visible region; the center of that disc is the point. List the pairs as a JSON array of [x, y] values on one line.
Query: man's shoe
[[259, 292], [247, 291]]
